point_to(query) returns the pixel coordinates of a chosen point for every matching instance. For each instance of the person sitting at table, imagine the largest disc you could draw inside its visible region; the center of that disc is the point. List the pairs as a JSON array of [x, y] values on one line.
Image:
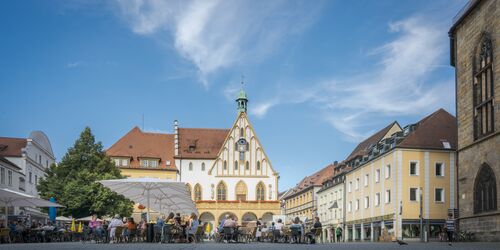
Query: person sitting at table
[[96, 226], [160, 221], [221, 225], [296, 223], [178, 219], [142, 228], [312, 234], [170, 218], [48, 227], [279, 226], [115, 222], [192, 227], [231, 223], [131, 228]]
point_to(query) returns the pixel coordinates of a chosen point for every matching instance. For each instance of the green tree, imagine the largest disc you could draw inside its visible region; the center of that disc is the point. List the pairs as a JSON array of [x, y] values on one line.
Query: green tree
[[73, 181]]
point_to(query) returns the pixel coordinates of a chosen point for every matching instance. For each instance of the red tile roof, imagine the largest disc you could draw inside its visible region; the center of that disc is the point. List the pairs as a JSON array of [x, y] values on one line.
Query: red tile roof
[[432, 131], [363, 147], [136, 144], [201, 143], [313, 180], [12, 146]]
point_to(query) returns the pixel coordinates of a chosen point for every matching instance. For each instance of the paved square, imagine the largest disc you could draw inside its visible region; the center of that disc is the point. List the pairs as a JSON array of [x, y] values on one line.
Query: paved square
[[253, 246]]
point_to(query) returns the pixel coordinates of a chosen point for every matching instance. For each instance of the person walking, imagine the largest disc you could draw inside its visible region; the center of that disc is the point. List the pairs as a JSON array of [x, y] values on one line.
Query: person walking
[[338, 233], [450, 228]]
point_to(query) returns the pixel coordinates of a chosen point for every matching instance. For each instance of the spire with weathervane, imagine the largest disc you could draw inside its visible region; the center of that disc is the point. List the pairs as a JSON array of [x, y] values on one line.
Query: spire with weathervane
[[242, 99]]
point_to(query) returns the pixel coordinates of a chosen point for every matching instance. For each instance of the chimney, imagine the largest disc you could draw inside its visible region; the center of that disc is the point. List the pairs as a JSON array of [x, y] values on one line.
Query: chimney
[[176, 137]]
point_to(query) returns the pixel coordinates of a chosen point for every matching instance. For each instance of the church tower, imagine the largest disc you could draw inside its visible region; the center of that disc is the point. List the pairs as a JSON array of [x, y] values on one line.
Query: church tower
[[242, 101]]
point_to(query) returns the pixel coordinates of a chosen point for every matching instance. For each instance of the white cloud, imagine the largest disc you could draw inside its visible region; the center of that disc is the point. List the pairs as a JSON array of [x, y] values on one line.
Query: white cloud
[[399, 85], [74, 64], [217, 34]]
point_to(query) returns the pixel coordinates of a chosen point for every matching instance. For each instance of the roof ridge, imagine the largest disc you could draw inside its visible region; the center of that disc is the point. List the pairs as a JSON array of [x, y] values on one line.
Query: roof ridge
[[206, 128], [17, 138]]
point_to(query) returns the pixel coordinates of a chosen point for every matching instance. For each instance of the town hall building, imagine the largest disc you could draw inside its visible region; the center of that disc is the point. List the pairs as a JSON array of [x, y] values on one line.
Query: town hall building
[[226, 171]]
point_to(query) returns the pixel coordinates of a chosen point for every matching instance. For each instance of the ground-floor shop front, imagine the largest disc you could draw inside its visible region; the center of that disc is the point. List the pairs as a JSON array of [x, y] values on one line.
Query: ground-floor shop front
[[385, 230]]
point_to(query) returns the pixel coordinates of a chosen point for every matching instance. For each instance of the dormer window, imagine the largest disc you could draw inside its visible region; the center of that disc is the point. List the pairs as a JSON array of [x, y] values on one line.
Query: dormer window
[[153, 163]]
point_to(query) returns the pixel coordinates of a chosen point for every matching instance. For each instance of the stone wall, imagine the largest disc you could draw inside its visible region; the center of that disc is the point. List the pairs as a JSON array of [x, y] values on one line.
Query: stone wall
[[471, 154], [484, 19]]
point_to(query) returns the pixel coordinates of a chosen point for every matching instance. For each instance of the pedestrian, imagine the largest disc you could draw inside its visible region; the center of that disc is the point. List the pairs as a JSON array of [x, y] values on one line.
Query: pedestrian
[[450, 228], [258, 232], [338, 233]]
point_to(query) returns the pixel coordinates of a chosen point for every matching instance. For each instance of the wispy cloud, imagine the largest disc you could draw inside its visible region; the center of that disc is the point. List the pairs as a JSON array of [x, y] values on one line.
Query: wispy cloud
[[398, 85], [74, 64], [214, 35]]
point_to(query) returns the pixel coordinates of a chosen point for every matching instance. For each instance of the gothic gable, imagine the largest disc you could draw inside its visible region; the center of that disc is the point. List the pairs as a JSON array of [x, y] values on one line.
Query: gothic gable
[[242, 153]]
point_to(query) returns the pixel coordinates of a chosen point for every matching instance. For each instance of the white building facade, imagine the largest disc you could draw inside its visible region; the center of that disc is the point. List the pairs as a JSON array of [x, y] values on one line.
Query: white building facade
[[227, 170], [331, 205]]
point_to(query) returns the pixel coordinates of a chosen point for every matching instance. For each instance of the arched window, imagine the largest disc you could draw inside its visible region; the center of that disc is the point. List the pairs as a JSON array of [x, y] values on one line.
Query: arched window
[[235, 165], [241, 191], [236, 146], [221, 192], [190, 166], [247, 166], [197, 192], [202, 166], [242, 132], [225, 165], [483, 89], [188, 188], [258, 165], [485, 190], [260, 192]]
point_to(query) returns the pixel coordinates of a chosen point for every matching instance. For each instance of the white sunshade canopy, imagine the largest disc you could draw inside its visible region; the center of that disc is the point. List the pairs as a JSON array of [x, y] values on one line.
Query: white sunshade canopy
[[10, 198], [17, 199], [63, 218], [161, 195], [88, 218]]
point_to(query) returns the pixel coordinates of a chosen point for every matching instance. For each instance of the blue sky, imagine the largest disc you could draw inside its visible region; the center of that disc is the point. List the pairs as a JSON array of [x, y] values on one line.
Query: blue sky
[[320, 75]]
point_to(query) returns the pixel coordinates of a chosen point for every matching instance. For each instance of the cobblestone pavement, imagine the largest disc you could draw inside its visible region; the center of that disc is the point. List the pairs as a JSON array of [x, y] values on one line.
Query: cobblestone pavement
[[253, 246]]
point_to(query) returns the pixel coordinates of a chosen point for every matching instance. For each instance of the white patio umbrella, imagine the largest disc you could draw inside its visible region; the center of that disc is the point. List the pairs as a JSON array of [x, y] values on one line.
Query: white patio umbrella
[[63, 219], [157, 194], [17, 199], [88, 218]]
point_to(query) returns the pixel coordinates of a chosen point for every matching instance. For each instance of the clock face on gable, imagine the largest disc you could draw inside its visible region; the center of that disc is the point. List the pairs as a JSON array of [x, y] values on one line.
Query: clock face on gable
[[242, 145]]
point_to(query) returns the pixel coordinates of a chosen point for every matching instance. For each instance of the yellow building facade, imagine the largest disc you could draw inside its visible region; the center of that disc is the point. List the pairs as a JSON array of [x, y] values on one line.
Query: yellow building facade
[[401, 175], [301, 200]]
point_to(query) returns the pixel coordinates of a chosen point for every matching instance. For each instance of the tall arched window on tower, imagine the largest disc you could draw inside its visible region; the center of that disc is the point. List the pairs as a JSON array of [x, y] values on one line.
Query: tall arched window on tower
[[190, 166], [485, 190], [242, 132], [483, 89], [202, 166], [235, 165], [197, 192], [260, 194], [225, 165], [221, 191], [258, 165], [247, 166]]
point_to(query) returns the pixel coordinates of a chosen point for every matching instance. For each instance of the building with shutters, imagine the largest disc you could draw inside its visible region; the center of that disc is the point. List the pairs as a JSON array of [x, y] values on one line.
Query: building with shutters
[[399, 175]]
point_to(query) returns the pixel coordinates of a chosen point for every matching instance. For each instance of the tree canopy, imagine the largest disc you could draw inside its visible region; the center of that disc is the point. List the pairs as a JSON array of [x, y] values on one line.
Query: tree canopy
[[73, 181]]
